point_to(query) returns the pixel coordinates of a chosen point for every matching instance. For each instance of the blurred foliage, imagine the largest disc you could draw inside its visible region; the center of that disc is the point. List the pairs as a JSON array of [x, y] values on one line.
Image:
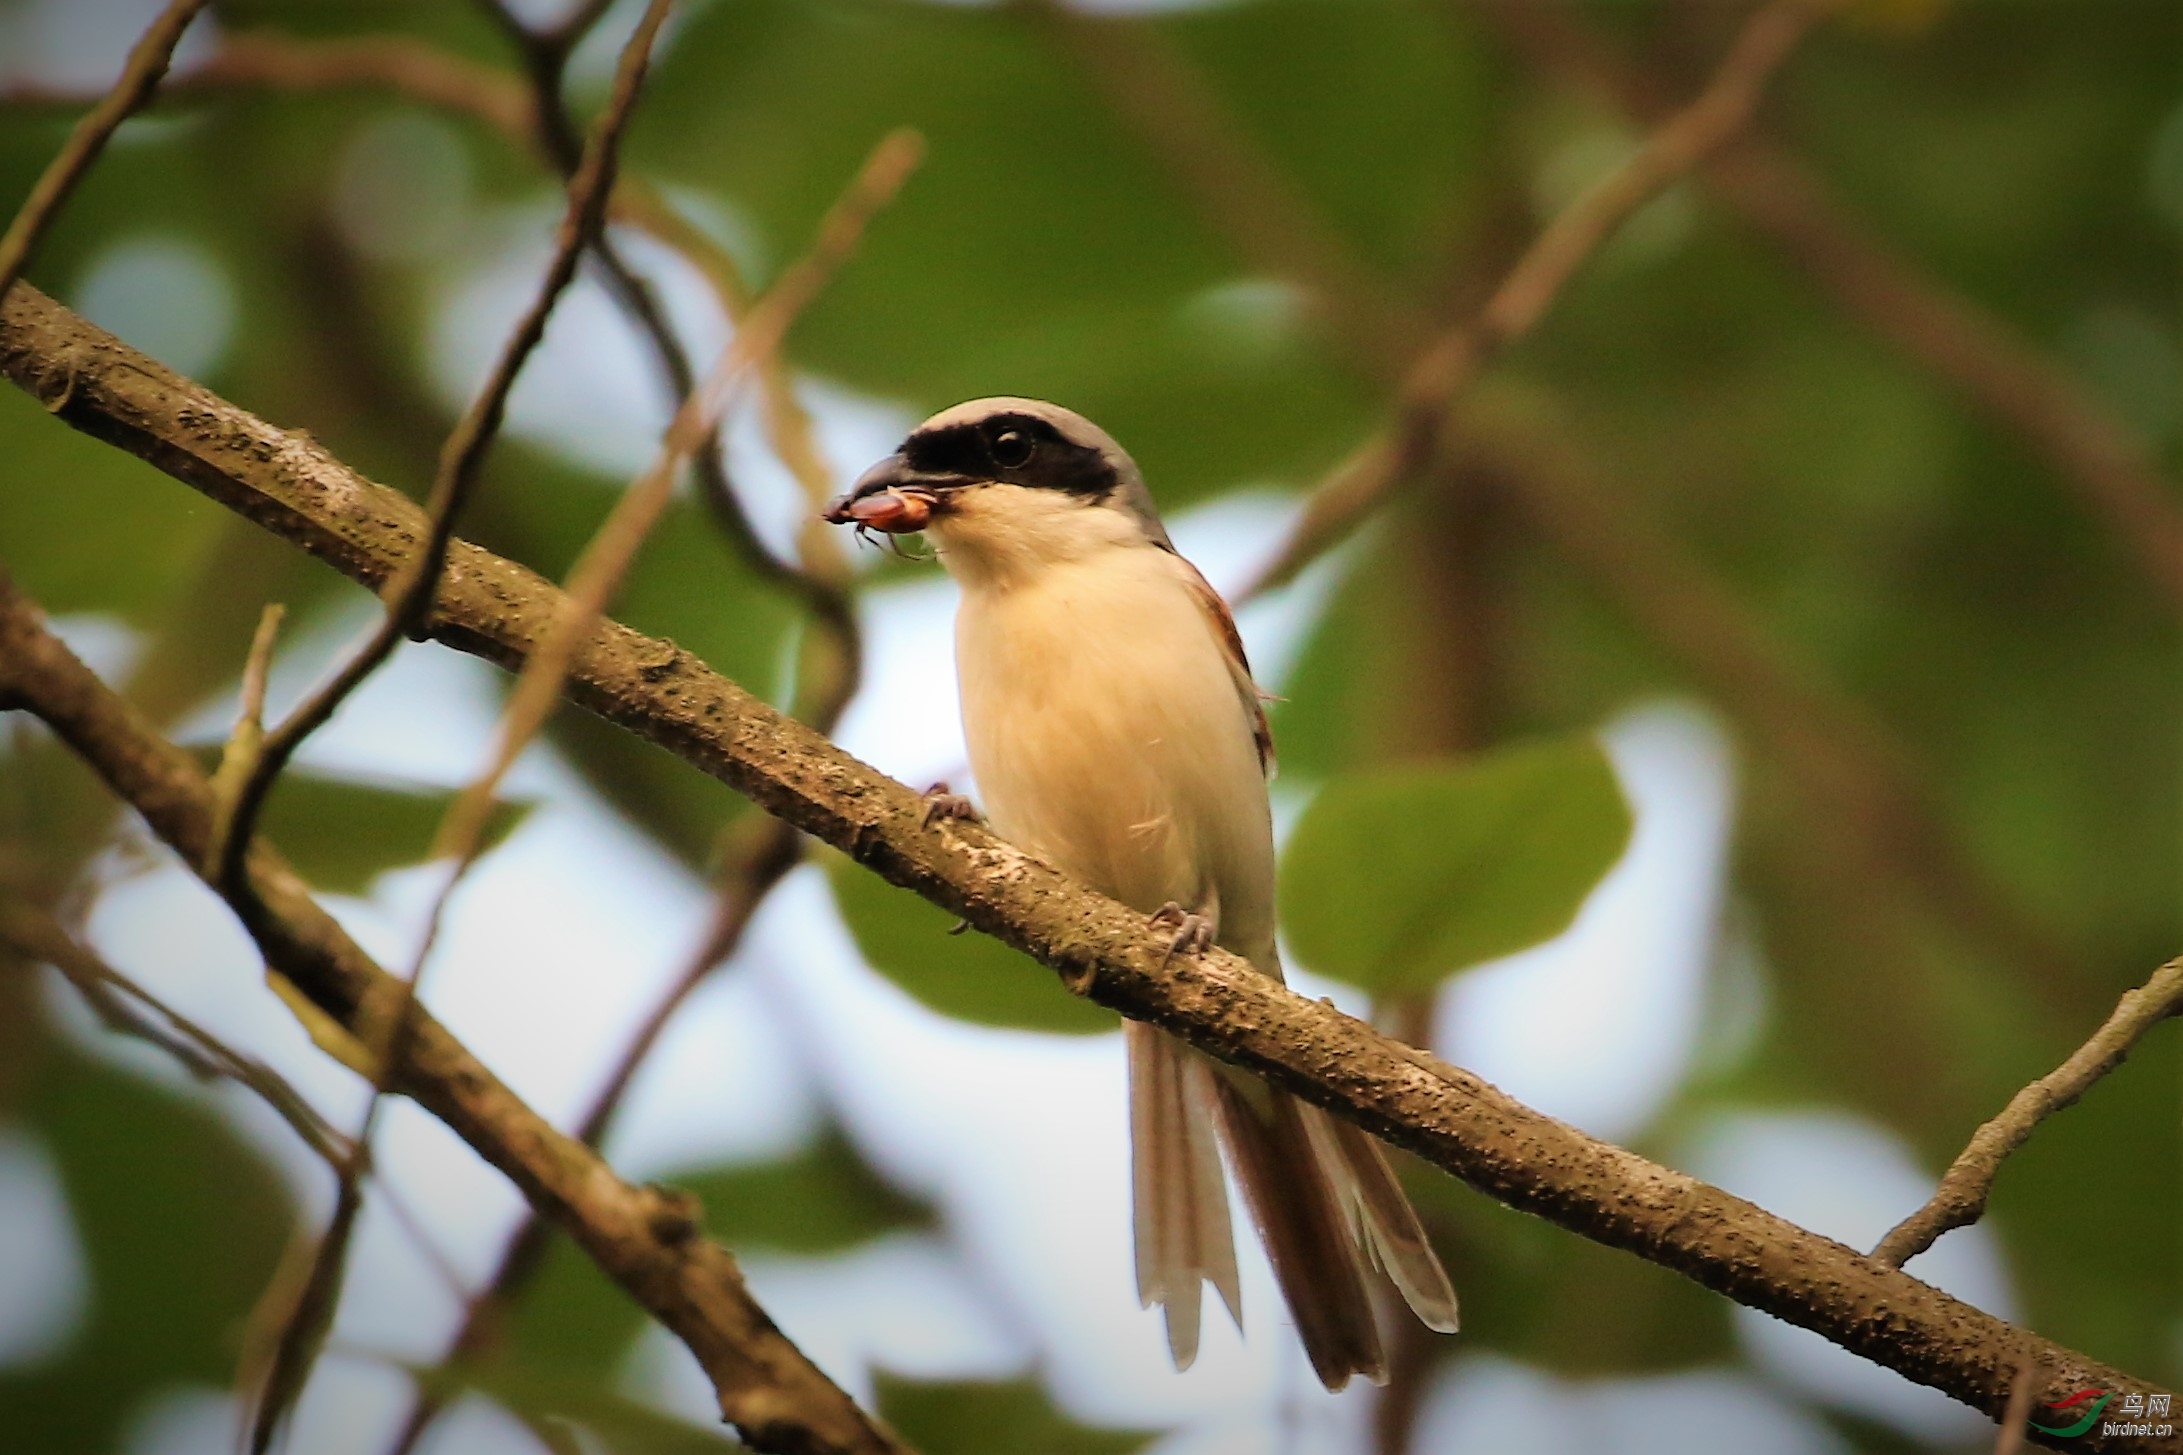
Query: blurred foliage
[[1881, 536], [1398, 878], [180, 1223], [559, 1412], [968, 1418], [819, 1200], [970, 976], [344, 832]]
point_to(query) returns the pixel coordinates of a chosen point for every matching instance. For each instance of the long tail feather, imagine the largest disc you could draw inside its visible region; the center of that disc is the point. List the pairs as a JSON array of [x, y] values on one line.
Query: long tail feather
[[1180, 1202], [1325, 1202], [1305, 1228], [1386, 1223]]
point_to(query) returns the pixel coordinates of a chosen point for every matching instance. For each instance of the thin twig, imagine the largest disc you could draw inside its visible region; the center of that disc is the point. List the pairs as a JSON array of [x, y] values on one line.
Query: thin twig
[[307, 1317], [424, 73], [2010, 1437], [127, 1008], [409, 595], [646, 1240], [1961, 1198], [593, 581], [833, 656], [147, 63], [1444, 371], [1215, 1001], [546, 53], [291, 1319], [117, 999], [246, 742], [758, 853], [2019, 389], [599, 570], [552, 132]]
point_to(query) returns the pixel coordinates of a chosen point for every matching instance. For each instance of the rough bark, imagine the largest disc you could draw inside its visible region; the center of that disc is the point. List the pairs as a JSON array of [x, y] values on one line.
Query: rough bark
[[498, 610]]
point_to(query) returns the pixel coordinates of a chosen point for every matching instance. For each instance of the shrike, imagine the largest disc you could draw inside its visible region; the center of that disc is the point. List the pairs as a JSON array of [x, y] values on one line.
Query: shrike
[[1115, 730]]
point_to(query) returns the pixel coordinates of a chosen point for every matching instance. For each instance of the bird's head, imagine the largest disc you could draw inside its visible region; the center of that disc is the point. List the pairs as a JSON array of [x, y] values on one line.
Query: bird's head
[[1006, 486]]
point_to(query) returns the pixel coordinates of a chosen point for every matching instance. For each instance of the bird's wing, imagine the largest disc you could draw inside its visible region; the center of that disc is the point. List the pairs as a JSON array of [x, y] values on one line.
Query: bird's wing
[[1239, 666]]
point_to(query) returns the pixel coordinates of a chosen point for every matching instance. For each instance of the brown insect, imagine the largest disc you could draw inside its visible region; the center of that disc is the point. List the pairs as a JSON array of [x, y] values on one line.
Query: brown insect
[[896, 512]]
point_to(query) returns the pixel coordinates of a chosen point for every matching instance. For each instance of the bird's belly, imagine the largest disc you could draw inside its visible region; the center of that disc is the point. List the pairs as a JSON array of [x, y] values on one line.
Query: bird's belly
[[1107, 735]]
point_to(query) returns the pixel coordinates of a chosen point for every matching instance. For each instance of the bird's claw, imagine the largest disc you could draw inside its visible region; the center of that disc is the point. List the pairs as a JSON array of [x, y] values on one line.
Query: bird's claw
[[941, 802], [1193, 932]]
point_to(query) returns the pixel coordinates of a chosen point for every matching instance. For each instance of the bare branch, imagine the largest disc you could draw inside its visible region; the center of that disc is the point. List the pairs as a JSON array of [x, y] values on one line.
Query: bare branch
[[148, 61], [1861, 784], [645, 1239], [115, 998], [2010, 1438], [758, 853], [409, 597], [599, 570], [2020, 390], [1960, 1199], [245, 747], [1441, 375], [598, 573], [1217, 1002], [310, 1300]]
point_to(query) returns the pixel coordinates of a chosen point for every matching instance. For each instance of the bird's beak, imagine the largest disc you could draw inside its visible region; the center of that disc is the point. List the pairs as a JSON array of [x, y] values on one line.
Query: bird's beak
[[892, 496]]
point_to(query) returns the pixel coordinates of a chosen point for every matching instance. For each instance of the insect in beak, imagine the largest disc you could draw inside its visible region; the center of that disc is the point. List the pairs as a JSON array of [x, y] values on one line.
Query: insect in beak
[[899, 511]]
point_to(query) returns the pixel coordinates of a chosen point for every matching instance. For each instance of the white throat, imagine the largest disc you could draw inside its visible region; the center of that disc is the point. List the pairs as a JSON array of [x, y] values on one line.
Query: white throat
[[1002, 537]]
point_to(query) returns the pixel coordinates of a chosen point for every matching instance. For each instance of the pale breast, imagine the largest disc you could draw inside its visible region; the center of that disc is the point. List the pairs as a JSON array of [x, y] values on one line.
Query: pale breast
[[1106, 732]]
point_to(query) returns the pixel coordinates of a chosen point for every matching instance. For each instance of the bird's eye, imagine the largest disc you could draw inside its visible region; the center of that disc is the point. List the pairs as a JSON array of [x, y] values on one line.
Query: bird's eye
[[1013, 448]]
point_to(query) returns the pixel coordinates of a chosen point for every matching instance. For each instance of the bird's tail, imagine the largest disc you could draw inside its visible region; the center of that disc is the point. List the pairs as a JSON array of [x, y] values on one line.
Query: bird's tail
[[1326, 1204]]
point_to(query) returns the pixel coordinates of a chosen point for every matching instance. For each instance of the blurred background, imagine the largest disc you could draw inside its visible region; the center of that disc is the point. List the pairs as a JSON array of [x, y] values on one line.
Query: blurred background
[[1828, 499]]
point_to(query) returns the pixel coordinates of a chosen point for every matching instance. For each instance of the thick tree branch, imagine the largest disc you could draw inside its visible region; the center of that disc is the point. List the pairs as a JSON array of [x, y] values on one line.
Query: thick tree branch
[[498, 610], [758, 852], [646, 1239], [1961, 1198]]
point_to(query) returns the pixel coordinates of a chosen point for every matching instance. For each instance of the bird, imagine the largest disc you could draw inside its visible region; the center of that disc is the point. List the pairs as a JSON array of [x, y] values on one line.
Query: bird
[[1115, 730]]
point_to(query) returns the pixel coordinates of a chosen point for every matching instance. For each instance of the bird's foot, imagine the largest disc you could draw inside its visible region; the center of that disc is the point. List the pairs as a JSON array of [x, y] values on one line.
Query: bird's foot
[[1193, 932], [940, 802]]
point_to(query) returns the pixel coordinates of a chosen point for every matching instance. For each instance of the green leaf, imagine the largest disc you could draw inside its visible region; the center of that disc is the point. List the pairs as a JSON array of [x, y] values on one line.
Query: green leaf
[[87, 528], [1398, 878], [824, 1199], [821, 1199], [180, 1222], [970, 976], [685, 585], [342, 833], [1046, 246], [572, 1321], [552, 1406], [971, 1418]]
